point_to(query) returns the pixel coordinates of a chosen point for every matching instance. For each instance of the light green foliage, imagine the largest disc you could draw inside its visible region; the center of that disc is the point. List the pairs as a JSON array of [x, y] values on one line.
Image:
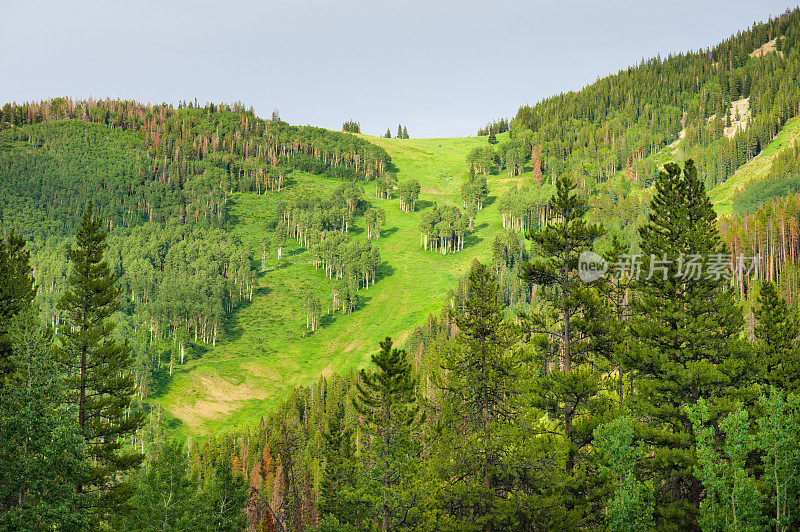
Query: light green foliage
[[779, 439], [166, 497], [732, 498], [631, 509]]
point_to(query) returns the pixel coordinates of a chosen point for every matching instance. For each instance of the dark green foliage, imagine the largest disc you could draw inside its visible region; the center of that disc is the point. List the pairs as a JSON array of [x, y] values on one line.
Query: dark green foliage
[[351, 127], [495, 127], [570, 330], [338, 496], [492, 138], [100, 384], [623, 118], [41, 449], [386, 398], [478, 410], [754, 196], [777, 331], [17, 291], [688, 332]]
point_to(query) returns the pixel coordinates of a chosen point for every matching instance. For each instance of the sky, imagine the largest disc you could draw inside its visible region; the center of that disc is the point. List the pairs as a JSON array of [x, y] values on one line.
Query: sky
[[440, 68]]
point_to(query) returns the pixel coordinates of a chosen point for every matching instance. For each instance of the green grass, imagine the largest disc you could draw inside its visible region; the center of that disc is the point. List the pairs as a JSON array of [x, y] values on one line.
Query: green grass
[[265, 350], [755, 170]]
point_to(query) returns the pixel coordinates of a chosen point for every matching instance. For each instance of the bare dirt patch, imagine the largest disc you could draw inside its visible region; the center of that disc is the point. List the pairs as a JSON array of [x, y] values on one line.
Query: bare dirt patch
[[765, 48], [740, 111], [220, 397]]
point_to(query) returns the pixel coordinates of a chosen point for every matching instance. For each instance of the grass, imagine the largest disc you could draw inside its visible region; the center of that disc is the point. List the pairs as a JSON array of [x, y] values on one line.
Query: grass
[[754, 171], [265, 351]]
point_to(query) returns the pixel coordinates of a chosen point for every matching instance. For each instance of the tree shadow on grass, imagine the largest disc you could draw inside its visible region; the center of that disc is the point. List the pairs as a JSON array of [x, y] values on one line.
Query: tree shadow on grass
[[472, 239], [383, 271], [489, 200], [423, 204], [388, 232]]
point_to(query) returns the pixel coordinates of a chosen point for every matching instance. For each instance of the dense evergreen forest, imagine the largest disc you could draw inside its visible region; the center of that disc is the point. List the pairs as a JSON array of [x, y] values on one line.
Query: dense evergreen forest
[[655, 395]]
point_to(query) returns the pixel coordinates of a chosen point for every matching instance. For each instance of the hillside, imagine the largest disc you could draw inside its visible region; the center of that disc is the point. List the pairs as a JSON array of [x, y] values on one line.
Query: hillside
[[266, 352]]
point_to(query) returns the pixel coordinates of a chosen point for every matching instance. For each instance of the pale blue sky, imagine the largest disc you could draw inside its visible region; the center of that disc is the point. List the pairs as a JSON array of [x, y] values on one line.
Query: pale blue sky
[[440, 68]]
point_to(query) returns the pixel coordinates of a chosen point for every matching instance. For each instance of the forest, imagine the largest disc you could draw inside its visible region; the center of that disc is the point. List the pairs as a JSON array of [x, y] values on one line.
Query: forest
[[661, 394]]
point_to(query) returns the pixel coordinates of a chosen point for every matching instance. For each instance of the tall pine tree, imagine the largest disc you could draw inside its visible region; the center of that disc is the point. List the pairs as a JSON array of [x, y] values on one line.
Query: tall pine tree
[[480, 405], [17, 291], [687, 327], [386, 398], [777, 330], [574, 326], [100, 381]]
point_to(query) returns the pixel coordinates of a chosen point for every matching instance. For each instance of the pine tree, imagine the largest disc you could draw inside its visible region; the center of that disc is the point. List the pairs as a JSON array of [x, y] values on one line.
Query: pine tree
[[480, 404], [399, 131], [386, 398], [100, 382], [777, 330], [579, 333], [388, 134], [17, 291], [338, 497], [405, 133], [687, 327], [492, 138]]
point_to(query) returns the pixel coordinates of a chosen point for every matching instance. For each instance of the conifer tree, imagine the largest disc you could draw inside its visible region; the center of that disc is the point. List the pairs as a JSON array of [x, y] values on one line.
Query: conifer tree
[[386, 398], [481, 403], [400, 132], [687, 327], [579, 331], [17, 291], [777, 330], [338, 497], [388, 134], [405, 133], [100, 382]]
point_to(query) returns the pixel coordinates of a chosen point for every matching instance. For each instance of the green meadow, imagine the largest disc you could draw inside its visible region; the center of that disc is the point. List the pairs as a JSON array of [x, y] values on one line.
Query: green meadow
[[265, 349]]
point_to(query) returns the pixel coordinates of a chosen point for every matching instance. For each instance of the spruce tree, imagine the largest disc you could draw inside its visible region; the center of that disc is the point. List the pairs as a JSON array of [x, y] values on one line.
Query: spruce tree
[[101, 384], [399, 131], [687, 328], [388, 134], [777, 330], [386, 398], [17, 291], [405, 132]]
